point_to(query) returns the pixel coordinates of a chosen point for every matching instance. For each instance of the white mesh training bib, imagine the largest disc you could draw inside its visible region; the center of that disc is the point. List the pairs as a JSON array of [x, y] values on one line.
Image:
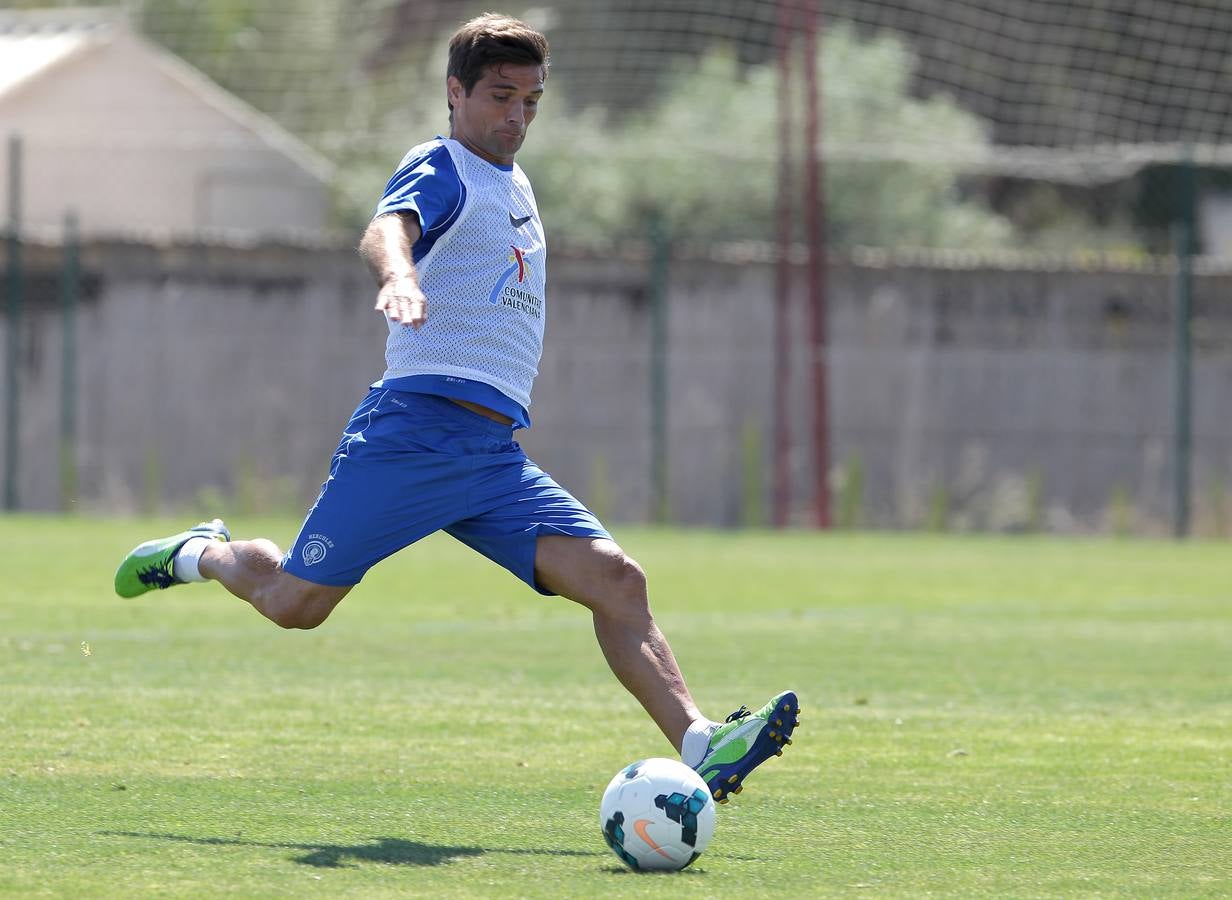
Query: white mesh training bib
[[484, 279]]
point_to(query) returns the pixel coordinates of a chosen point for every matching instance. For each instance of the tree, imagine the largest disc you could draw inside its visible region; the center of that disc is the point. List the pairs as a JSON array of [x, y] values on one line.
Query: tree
[[704, 156]]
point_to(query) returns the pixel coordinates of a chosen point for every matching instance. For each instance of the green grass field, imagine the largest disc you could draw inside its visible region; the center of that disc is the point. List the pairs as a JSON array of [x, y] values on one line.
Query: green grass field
[[981, 716]]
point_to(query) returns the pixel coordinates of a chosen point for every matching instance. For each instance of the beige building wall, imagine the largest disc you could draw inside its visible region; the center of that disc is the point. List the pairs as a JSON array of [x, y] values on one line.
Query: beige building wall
[[135, 140]]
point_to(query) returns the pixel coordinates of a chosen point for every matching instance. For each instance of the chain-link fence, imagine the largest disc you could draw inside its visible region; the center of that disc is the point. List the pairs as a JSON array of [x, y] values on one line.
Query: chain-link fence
[[888, 264]]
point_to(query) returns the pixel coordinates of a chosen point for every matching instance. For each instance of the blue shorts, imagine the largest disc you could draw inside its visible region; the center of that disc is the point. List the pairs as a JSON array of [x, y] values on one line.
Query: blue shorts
[[411, 464]]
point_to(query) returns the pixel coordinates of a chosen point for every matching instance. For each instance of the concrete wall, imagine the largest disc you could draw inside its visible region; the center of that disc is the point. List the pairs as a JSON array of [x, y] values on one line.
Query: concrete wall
[[213, 378]]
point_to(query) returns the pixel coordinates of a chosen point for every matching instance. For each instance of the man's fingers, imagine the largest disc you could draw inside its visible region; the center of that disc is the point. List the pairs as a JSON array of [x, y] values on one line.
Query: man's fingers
[[415, 313], [405, 310]]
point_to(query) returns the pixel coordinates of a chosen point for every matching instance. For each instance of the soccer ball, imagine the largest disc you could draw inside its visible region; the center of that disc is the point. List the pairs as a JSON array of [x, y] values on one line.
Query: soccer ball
[[657, 814]]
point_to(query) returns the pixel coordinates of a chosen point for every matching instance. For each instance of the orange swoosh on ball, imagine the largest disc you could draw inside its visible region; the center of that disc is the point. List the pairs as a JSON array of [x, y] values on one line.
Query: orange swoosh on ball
[[640, 827]]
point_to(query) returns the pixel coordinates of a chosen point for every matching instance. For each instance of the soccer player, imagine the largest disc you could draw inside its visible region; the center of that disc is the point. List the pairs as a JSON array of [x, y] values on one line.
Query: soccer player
[[458, 251]]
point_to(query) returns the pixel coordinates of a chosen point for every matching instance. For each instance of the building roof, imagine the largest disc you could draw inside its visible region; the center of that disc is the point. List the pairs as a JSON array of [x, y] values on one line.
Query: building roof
[[33, 43]]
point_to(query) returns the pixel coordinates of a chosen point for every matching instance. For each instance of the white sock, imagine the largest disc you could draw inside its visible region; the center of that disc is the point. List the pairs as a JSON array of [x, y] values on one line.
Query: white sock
[[188, 559], [696, 740]]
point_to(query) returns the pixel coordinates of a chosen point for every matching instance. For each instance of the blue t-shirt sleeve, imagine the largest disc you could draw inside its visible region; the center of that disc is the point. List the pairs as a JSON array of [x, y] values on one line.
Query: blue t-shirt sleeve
[[426, 184]]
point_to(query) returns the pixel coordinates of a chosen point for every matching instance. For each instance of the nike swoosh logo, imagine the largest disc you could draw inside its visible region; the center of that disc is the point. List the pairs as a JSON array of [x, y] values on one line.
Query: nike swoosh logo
[[640, 827], [518, 223]]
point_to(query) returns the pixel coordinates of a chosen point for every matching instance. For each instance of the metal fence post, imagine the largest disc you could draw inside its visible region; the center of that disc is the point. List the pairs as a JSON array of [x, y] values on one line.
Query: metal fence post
[[659, 263], [1182, 432], [70, 300], [13, 324]]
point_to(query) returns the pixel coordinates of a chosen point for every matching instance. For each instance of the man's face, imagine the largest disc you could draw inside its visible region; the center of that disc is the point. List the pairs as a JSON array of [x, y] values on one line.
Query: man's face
[[492, 121]]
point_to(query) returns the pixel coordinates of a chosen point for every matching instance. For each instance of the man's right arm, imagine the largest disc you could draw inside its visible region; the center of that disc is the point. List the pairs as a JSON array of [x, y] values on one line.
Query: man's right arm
[[386, 248]]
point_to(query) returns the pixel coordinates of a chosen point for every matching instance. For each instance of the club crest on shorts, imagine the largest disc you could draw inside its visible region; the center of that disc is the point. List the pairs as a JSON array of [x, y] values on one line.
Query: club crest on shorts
[[314, 551]]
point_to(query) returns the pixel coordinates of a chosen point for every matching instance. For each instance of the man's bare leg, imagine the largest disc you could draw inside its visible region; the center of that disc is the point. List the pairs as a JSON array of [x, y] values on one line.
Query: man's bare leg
[[252, 571], [597, 574]]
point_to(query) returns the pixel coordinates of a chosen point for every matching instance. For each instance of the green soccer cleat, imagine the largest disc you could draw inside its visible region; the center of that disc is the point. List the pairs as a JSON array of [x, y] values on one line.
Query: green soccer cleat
[[745, 742], [152, 564]]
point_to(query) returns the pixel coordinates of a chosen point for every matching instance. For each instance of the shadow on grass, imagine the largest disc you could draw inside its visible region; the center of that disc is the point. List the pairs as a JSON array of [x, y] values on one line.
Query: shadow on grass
[[391, 851], [690, 872]]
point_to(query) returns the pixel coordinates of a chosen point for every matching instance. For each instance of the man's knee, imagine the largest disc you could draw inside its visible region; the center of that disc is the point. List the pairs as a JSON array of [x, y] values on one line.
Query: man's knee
[[622, 587], [294, 603]]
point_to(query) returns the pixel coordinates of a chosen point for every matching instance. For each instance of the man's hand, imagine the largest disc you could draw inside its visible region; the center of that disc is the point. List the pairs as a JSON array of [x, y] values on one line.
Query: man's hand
[[386, 248], [403, 301]]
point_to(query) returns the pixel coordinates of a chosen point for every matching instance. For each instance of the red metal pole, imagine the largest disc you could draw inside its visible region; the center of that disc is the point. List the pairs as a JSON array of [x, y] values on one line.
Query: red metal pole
[[816, 240], [782, 272]]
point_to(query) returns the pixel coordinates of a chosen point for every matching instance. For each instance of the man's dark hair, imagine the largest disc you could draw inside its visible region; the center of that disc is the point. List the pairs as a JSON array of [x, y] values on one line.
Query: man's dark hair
[[490, 40]]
